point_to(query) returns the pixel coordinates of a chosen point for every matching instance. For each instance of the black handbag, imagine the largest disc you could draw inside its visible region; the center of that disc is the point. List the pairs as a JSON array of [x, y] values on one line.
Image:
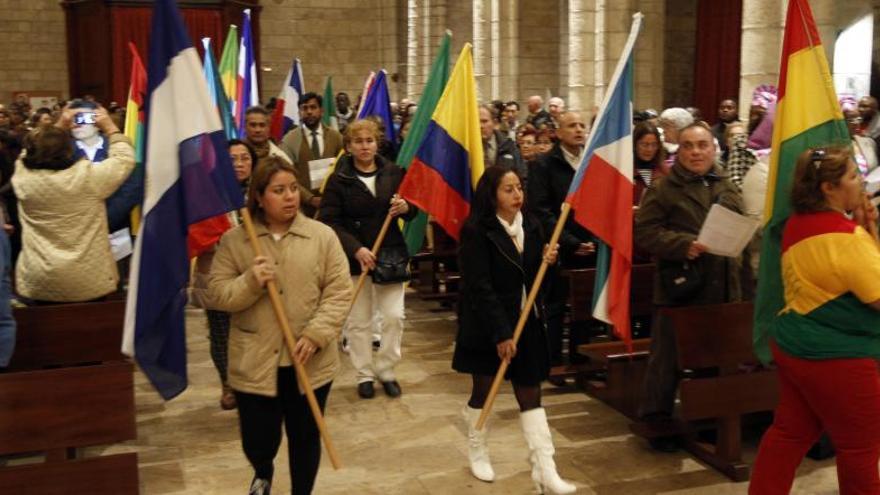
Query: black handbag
[[681, 280], [392, 266]]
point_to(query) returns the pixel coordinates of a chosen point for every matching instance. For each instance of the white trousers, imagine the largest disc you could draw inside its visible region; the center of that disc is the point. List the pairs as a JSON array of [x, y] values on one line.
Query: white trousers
[[388, 301]]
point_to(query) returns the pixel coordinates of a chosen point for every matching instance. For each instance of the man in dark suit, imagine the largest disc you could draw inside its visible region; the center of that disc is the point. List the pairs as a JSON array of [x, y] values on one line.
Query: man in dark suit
[[310, 141]]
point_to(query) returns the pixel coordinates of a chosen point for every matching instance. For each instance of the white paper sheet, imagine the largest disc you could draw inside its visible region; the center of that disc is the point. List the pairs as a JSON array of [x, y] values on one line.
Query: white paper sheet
[[120, 244], [726, 233], [872, 182], [318, 170]]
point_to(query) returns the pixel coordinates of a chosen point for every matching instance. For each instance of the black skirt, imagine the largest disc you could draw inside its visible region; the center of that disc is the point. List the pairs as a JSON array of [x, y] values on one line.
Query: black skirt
[[530, 366]]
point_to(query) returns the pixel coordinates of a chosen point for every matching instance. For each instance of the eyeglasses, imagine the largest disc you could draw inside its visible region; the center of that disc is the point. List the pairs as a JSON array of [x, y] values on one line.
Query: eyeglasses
[[854, 120], [817, 156]]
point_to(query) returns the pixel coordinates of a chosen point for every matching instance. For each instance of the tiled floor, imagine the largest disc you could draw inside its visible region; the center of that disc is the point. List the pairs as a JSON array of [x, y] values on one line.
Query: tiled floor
[[415, 444]]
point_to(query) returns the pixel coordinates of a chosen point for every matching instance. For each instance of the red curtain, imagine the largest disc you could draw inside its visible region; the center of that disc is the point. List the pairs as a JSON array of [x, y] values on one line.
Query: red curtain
[[133, 24], [716, 68]]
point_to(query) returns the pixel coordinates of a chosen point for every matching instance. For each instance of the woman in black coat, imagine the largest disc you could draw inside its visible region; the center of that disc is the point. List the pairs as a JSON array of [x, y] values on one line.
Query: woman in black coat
[[359, 195], [500, 253]]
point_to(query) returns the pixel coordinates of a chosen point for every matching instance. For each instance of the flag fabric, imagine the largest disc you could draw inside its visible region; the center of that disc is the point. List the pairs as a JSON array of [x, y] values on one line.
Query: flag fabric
[[189, 178], [286, 113], [378, 103], [328, 105], [602, 189], [367, 84], [217, 92], [449, 160], [807, 115], [414, 230], [134, 120], [228, 67], [247, 92]]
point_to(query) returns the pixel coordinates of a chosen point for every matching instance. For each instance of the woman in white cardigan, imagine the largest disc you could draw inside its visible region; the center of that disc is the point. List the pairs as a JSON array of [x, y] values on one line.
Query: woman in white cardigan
[[65, 254]]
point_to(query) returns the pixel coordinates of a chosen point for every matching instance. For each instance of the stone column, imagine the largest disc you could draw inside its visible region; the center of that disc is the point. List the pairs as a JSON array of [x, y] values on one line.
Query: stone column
[[585, 19], [482, 48], [649, 56], [763, 24], [412, 48], [509, 54]]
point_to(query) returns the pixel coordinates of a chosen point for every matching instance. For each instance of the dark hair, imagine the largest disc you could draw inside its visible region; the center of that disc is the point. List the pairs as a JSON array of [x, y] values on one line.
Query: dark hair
[[512, 102], [260, 179], [48, 148], [80, 103], [250, 149], [814, 167], [256, 109], [485, 201], [311, 95], [643, 129]]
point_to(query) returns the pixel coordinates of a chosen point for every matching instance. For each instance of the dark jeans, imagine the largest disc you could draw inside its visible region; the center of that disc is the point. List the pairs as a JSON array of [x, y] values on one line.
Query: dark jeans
[[260, 419]]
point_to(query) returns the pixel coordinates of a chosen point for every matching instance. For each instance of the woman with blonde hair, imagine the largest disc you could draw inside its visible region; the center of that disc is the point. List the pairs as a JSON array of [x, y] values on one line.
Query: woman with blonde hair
[[359, 195]]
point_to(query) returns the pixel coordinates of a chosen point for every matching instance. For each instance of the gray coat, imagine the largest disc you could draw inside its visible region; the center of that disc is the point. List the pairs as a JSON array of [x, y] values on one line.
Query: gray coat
[[669, 220]]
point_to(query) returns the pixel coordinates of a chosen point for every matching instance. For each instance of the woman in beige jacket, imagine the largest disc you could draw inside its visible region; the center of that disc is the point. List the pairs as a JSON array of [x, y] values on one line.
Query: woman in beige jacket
[[65, 255], [306, 261]]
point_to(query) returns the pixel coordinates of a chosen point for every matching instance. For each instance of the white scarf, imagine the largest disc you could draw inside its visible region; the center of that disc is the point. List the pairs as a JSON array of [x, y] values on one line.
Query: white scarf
[[515, 230], [518, 236]]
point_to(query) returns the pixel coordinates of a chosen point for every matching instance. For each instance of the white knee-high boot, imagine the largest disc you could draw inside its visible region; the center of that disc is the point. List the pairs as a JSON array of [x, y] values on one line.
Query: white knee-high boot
[[478, 447], [537, 433]]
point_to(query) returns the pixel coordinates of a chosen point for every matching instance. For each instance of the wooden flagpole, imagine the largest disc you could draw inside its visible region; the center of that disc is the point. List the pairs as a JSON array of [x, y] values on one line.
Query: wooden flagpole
[[376, 245], [523, 316], [290, 340]]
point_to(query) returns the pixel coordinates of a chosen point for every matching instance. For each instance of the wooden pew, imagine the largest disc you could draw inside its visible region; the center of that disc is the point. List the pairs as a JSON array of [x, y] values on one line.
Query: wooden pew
[[68, 387], [437, 269], [721, 383], [623, 371]]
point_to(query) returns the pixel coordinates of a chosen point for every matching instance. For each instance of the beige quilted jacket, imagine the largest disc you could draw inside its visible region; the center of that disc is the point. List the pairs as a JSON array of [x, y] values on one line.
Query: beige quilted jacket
[[65, 254]]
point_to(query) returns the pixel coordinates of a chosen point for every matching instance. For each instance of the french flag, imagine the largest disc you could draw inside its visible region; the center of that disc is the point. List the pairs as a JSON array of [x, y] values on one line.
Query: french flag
[[286, 114], [189, 177], [248, 94], [601, 193]]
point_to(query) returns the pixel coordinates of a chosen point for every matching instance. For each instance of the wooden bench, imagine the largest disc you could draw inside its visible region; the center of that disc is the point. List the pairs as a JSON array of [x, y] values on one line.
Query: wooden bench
[[722, 381], [623, 371], [437, 269], [68, 387]]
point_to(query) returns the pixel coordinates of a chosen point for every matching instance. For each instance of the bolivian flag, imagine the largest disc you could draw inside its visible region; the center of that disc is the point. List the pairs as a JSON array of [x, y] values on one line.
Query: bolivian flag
[[449, 160], [134, 120], [807, 115]]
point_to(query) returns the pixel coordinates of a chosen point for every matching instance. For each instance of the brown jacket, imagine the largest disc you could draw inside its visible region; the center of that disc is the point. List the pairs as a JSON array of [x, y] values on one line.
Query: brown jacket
[[669, 220], [315, 287], [65, 255], [298, 147]]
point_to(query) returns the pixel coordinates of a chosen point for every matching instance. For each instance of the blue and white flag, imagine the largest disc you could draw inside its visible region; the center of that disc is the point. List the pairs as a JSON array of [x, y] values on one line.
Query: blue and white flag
[[378, 102], [189, 177], [248, 94]]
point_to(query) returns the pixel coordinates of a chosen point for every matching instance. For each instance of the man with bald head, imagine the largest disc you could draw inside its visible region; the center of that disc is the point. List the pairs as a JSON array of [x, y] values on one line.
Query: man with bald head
[[549, 180], [556, 106], [870, 117], [538, 117]]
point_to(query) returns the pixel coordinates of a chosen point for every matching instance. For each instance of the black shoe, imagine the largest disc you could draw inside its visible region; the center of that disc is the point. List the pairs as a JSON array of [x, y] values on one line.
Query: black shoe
[[260, 486], [392, 388], [377, 344], [365, 390], [664, 444]]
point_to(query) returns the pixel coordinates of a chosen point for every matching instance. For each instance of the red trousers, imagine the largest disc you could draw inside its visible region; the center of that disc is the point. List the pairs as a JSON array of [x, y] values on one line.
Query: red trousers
[[838, 396]]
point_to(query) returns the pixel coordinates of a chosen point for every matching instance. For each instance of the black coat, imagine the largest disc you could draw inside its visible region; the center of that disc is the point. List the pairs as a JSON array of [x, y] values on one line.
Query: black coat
[[493, 275], [507, 155], [355, 214], [549, 180]]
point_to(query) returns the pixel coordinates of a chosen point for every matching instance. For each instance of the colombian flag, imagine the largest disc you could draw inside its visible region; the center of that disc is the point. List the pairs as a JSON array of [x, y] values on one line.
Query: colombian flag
[[134, 119], [807, 115], [449, 161]]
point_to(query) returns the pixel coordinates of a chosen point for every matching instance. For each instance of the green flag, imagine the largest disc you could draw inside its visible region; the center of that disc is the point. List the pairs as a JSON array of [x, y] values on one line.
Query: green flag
[[329, 105], [414, 230]]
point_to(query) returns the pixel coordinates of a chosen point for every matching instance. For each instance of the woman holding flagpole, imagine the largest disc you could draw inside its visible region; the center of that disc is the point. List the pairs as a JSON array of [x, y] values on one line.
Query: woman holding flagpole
[[500, 253], [826, 340], [359, 196], [306, 262]]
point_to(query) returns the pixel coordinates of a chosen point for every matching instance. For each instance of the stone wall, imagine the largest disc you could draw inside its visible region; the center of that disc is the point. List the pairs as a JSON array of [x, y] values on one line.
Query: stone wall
[[339, 38], [34, 54], [679, 52]]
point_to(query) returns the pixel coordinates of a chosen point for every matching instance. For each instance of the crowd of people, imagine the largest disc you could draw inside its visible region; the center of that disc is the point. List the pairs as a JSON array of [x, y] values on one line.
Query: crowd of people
[[60, 166]]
